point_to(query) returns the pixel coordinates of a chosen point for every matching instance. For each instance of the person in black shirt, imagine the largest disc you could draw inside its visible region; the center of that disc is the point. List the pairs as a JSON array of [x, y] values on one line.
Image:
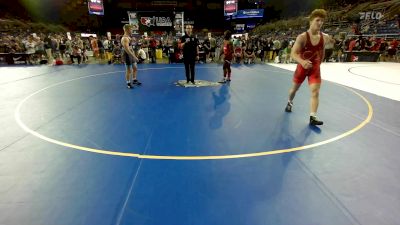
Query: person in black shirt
[[190, 53]]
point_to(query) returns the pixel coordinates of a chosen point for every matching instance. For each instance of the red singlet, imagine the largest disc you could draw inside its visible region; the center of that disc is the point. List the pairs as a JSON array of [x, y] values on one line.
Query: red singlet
[[227, 50], [314, 53]]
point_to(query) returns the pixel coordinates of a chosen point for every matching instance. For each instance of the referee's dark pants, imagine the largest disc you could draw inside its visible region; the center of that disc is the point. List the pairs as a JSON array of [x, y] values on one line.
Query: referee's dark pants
[[189, 70]]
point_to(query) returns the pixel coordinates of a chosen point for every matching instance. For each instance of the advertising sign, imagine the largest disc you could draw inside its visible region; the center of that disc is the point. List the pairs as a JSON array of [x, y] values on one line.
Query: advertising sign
[[239, 27], [96, 7], [250, 26], [230, 7], [152, 21], [248, 13]]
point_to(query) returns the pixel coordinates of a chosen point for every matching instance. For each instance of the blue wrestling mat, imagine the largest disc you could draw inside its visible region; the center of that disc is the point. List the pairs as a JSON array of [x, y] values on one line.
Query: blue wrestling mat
[[78, 147]]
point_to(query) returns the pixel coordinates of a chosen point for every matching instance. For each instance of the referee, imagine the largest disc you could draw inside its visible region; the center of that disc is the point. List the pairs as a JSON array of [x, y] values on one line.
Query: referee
[[190, 53]]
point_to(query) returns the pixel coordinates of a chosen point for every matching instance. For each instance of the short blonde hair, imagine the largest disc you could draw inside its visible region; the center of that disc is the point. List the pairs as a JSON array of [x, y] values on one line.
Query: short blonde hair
[[318, 13], [127, 26]]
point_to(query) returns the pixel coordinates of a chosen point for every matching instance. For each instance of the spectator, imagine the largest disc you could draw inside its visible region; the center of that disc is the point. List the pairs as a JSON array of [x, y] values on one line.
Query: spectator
[[249, 55], [152, 52], [393, 49], [76, 53], [117, 54], [140, 53]]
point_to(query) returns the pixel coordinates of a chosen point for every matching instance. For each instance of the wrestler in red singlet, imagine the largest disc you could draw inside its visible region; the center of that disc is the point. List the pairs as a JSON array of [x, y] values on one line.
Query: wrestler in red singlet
[[227, 51], [314, 53], [308, 52]]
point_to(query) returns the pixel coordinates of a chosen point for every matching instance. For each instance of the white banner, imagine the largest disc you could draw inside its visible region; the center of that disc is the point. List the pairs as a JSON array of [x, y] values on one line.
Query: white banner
[[133, 20]]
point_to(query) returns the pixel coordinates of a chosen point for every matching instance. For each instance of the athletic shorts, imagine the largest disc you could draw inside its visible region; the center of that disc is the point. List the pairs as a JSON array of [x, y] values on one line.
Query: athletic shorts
[[313, 74], [128, 60], [133, 65]]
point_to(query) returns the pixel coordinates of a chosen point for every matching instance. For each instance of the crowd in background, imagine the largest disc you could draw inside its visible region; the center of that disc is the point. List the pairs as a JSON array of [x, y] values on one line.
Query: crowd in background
[[58, 48], [272, 46]]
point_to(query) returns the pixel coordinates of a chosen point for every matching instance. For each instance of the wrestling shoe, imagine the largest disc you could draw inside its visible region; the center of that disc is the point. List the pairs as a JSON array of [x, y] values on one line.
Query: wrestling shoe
[[136, 82], [289, 107], [314, 121]]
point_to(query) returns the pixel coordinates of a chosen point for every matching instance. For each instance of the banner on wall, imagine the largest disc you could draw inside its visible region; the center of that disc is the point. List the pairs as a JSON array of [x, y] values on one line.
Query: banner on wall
[[239, 27], [178, 23], [152, 21], [249, 13], [250, 26], [145, 21], [134, 21]]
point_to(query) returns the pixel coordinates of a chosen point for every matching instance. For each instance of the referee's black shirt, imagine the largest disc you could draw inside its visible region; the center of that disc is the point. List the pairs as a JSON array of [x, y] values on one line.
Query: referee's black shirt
[[189, 47]]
